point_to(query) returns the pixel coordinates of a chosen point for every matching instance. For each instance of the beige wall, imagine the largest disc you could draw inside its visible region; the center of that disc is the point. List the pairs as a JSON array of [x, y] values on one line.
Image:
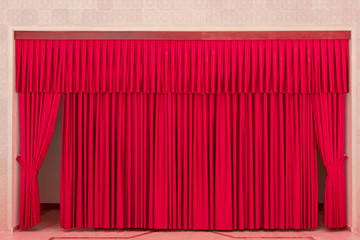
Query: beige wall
[[167, 15]]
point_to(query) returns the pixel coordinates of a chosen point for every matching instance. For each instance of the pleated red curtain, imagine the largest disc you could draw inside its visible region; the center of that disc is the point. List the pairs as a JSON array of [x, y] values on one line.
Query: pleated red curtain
[[189, 134], [188, 161], [329, 113], [37, 113], [198, 66]]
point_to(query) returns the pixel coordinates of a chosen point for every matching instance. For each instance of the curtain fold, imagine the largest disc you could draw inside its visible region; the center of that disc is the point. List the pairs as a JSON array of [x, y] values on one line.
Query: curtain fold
[[329, 118], [188, 161], [184, 66], [37, 113], [188, 134]]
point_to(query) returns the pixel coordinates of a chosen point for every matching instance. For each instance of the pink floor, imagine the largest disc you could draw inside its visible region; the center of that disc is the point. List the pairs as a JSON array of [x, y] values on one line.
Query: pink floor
[[49, 229]]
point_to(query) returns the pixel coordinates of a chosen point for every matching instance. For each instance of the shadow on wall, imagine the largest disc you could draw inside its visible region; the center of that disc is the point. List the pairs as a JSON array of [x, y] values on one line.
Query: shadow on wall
[[49, 173]]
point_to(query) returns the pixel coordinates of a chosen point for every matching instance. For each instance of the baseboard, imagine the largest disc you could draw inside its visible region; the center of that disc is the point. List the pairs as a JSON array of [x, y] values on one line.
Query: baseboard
[[15, 228], [349, 228]]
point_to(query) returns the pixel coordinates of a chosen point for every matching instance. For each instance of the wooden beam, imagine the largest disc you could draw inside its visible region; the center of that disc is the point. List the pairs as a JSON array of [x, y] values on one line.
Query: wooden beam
[[168, 35]]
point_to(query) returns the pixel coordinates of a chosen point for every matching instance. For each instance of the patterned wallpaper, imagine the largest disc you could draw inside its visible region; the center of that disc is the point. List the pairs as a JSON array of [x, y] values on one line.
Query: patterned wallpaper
[[170, 15]]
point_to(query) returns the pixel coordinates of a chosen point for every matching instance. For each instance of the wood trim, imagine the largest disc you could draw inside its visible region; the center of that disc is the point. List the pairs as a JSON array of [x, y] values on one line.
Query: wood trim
[[168, 35]]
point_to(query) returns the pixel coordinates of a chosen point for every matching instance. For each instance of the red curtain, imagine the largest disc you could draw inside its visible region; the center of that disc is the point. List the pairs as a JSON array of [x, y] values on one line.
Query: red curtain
[[37, 112], [186, 134], [329, 113], [198, 66], [188, 161]]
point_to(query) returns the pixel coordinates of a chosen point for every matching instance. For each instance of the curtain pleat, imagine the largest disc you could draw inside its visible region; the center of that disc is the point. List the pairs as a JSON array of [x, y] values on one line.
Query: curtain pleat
[[37, 115], [188, 161], [329, 118], [185, 134], [182, 66]]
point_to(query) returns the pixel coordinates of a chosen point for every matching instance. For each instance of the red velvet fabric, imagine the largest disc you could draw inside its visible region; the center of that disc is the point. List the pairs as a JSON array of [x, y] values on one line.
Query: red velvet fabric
[[185, 134], [329, 113], [37, 112], [188, 161], [157, 66]]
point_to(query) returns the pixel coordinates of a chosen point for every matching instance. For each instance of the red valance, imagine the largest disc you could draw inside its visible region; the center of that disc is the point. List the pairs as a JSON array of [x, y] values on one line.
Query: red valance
[[181, 66]]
